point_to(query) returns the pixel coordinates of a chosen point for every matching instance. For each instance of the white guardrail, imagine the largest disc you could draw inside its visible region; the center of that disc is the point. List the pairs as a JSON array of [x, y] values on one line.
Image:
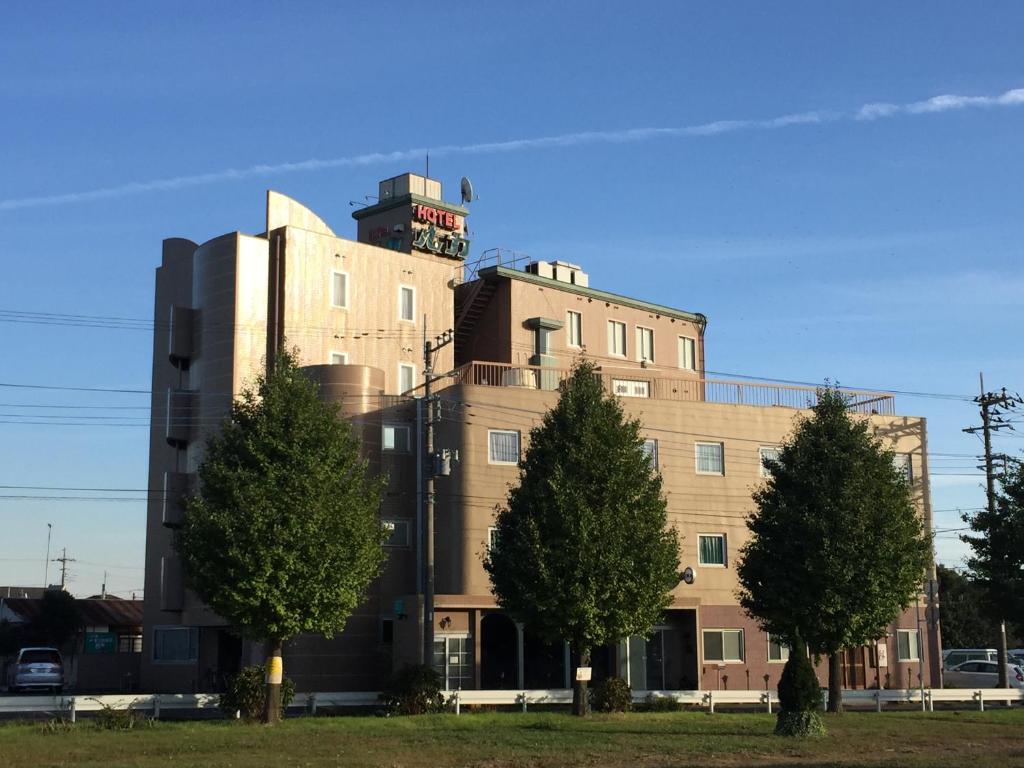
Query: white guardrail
[[156, 704]]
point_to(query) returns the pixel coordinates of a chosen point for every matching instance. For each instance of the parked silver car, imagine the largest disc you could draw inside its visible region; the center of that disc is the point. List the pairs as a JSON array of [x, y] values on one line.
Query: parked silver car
[[36, 669], [982, 674]]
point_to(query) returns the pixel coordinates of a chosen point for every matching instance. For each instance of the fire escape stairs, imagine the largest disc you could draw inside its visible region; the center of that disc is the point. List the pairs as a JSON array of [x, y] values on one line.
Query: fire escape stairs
[[472, 307]]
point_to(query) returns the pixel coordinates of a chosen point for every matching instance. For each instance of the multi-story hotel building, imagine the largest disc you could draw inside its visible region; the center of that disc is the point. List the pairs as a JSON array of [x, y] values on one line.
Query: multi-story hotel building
[[358, 312]]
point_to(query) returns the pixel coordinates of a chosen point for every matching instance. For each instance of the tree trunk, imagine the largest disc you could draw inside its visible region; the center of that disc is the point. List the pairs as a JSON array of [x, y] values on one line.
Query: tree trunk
[[835, 683], [275, 674], [580, 699]]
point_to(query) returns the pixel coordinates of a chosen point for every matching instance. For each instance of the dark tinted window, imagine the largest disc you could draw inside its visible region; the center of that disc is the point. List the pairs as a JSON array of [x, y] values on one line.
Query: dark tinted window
[[40, 657]]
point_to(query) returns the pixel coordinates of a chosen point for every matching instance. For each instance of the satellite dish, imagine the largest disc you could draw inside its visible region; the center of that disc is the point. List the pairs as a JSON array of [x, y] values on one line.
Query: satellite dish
[[688, 575], [467, 191]]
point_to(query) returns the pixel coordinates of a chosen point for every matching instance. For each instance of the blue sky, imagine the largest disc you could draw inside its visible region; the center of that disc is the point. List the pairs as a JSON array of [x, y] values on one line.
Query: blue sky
[[823, 237]]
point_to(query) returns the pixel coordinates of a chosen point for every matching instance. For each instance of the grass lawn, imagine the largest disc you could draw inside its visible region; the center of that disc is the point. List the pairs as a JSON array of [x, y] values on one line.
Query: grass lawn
[[495, 740]]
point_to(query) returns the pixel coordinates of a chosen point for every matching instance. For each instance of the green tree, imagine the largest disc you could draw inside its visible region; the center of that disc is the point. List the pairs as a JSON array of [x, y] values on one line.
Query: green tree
[[964, 621], [837, 549], [284, 536], [58, 621], [997, 563], [583, 551]]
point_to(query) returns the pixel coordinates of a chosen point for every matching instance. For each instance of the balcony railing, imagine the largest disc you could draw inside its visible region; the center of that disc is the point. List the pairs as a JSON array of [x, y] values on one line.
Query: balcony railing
[[656, 385]]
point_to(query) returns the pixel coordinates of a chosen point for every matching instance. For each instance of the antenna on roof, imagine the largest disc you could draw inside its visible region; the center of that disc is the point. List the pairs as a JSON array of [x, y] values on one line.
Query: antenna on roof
[[467, 191], [427, 174]]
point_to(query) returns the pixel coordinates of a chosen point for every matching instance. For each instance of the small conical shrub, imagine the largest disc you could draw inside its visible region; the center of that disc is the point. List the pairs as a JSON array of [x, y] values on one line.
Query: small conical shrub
[[799, 696]]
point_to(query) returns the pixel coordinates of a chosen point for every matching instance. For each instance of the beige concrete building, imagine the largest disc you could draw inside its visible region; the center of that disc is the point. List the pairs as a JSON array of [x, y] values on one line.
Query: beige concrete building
[[357, 311]]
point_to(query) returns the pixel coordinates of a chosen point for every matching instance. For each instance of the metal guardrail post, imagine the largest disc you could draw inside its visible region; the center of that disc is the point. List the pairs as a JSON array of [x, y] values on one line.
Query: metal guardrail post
[[311, 703], [156, 706], [522, 698], [768, 700], [711, 702], [981, 700], [72, 714], [458, 705], [878, 700]]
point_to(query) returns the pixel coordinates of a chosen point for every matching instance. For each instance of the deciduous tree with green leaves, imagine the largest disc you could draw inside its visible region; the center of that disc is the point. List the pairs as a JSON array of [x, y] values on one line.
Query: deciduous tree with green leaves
[[583, 551], [837, 548], [284, 536]]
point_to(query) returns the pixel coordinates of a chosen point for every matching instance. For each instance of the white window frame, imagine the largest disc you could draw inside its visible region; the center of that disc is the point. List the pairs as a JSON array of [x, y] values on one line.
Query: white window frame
[[412, 377], [574, 329], [490, 446], [682, 349], [725, 550], [722, 631], [696, 458], [395, 429], [401, 303], [651, 449], [334, 297], [916, 651], [342, 361], [783, 650], [763, 470], [614, 325], [631, 388], [446, 637], [394, 525], [643, 335], [492, 537]]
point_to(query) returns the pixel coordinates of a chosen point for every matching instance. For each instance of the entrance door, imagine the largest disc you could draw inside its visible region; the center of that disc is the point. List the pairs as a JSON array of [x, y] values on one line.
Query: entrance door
[[453, 660], [854, 667]]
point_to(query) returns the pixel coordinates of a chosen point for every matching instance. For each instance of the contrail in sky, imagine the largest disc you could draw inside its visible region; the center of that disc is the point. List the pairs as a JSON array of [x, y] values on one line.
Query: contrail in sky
[[867, 112]]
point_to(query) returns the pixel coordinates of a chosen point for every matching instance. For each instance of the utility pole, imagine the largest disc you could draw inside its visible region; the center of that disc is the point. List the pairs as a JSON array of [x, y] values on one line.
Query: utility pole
[[63, 560], [434, 464], [991, 420], [46, 570]]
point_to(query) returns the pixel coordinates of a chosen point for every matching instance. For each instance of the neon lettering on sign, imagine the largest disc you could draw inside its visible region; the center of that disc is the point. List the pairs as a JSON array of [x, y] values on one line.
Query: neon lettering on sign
[[443, 244], [430, 215]]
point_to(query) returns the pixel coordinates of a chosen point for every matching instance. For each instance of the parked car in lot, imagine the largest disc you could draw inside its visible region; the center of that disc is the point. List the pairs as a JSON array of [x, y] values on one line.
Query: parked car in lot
[[982, 674], [36, 669], [951, 657]]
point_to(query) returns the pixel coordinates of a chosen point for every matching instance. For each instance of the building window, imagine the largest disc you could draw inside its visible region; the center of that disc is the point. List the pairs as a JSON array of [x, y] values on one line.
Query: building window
[[907, 648], [175, 645], [339, 358], [631, 388], [904, 466], [723, 645], [339, 289], [574, 328], [710, 458], [407, 303], [395, 437], [651, 449], [492, 537], [616, 338], [777, 650], [687, 353], [453, 660], [406, 377], [645, 344], [502, 446], [129, 643], [398, 533], [387, 631], [771, 453], [711, 549]]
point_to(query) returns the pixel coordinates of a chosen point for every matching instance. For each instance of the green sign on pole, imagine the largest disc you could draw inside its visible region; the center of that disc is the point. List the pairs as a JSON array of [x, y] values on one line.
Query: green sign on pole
[[100, 642]]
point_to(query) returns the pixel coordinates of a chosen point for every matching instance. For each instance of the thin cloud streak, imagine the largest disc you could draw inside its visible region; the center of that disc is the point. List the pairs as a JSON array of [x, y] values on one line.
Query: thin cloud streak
[[867, 112]]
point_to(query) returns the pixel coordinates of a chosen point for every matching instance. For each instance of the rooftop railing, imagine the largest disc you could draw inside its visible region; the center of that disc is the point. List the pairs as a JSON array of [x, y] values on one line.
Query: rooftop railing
[[658, 385]]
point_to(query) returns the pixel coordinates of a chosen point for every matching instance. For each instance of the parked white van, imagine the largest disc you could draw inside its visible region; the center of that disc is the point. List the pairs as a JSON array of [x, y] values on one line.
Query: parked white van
[[952, 657]]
